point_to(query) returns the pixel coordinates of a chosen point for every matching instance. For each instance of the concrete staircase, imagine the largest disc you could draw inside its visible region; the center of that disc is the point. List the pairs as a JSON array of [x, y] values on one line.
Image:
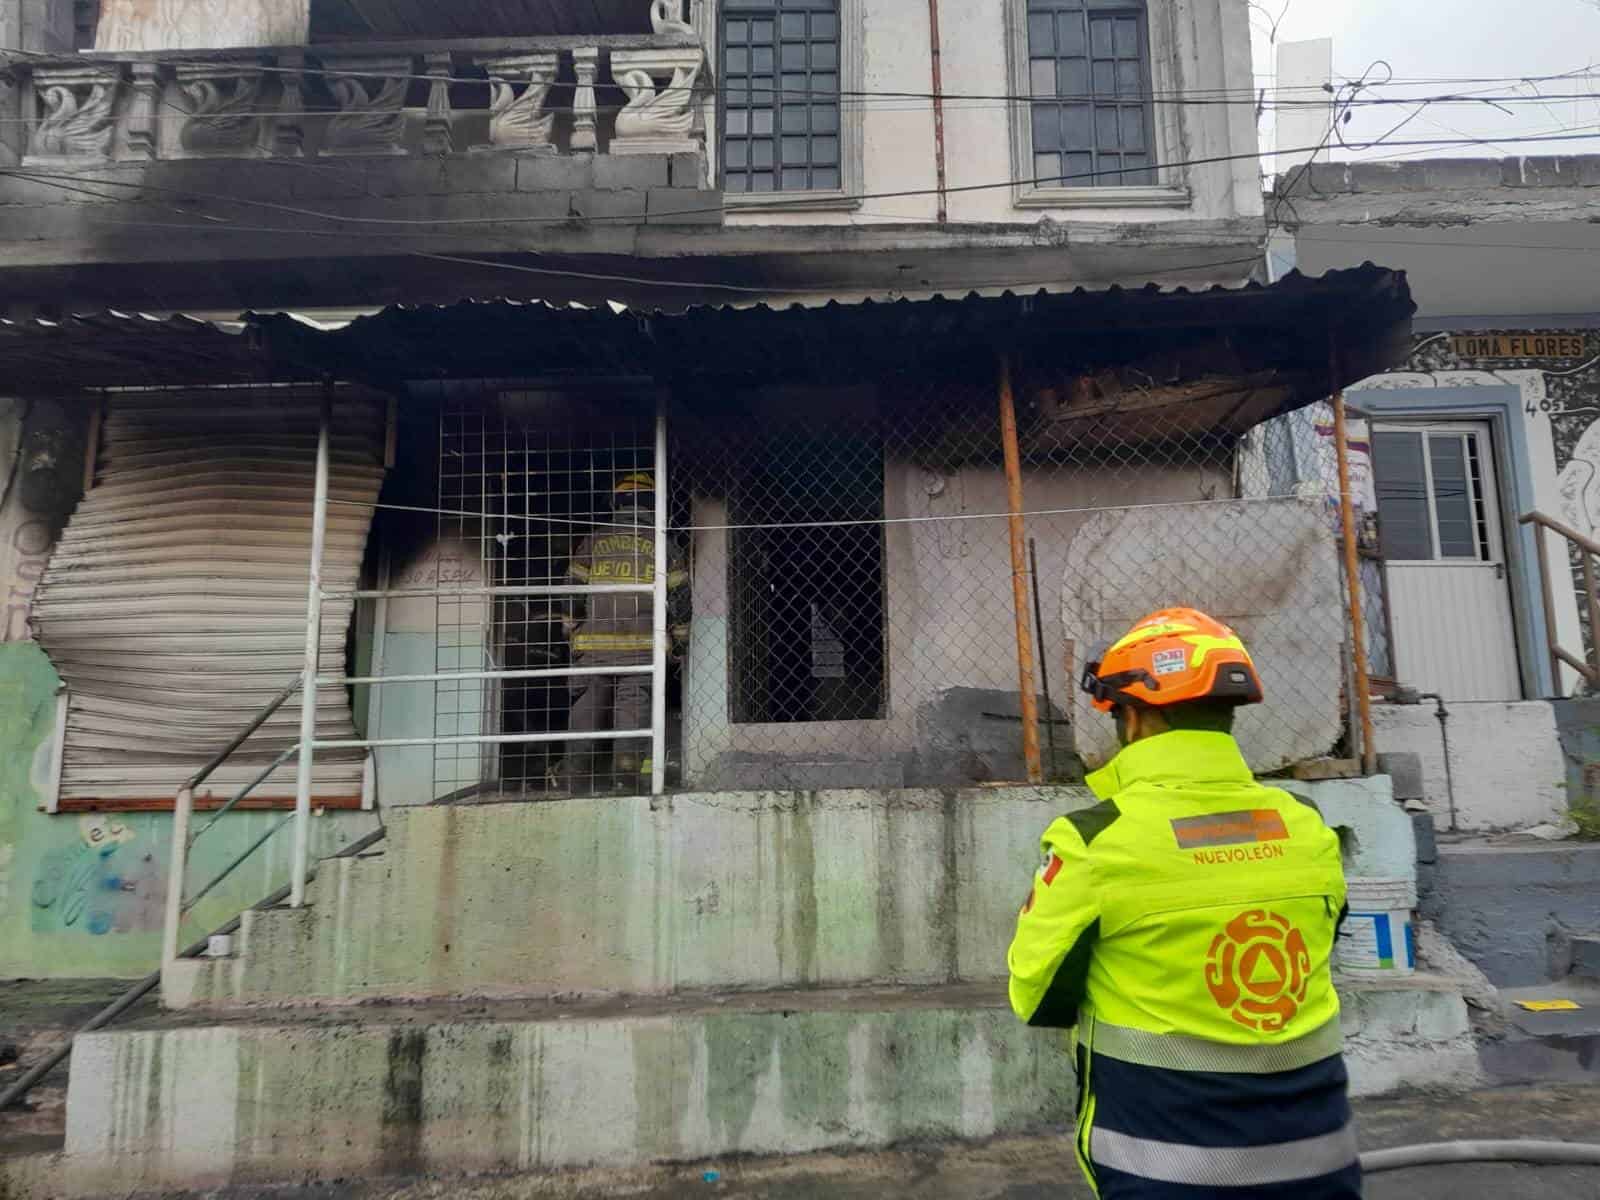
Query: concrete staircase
[[626, 981]]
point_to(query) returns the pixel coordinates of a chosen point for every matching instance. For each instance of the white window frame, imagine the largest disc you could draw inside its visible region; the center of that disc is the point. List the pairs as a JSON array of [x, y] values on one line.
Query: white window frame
[[1488, 486], [706, 18], [1171, 188]]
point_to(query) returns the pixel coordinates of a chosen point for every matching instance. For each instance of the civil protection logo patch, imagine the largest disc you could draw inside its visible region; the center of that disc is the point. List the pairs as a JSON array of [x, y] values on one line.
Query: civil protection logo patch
[[1258, 968]]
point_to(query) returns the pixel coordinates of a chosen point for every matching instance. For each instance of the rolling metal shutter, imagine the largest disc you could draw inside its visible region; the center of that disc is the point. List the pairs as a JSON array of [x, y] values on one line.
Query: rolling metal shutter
[[174, 604]]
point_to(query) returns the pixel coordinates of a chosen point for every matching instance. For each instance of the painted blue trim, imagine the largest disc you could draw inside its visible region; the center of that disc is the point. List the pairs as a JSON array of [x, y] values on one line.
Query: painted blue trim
[[1500, 404]]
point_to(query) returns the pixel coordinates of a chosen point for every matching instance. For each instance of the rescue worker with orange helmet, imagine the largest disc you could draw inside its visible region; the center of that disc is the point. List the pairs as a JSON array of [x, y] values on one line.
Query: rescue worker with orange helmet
[[1183, 928]]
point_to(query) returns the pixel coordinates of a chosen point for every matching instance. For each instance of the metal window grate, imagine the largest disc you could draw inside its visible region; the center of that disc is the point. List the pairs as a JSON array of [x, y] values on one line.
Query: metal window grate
[[540, 467], [780, 62], [1089, 76]]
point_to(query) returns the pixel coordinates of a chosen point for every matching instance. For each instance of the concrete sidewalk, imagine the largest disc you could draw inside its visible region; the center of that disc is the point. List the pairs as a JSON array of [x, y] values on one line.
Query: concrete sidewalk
[[1042, 1168]]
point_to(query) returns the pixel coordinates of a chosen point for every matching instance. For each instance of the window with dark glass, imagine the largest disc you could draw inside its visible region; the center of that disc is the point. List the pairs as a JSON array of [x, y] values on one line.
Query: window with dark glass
[[780, 76], [1430, 489], [1089, 81]]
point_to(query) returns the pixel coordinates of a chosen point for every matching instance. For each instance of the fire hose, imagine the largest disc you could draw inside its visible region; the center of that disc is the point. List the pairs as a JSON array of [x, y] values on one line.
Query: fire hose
[[1440, 1153]]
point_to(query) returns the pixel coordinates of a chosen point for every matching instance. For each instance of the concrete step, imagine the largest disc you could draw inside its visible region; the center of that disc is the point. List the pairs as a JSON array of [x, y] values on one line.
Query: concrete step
[[1586, 957], [1511, 902], [507, 1086], [634, 895], [1555, 1045], [300, 1094]]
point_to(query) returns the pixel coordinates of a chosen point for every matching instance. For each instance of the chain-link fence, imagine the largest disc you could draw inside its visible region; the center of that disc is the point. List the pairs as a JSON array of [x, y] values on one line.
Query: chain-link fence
[[841, 606]]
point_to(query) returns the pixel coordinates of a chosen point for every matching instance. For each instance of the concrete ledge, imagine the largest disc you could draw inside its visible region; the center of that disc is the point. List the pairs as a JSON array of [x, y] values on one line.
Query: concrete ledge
[[1407, 1036], [452, 1089], [245, 1103], [636, 896]]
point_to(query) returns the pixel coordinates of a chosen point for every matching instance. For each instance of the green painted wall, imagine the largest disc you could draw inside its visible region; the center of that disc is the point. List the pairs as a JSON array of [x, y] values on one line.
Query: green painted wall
[[82, 895]]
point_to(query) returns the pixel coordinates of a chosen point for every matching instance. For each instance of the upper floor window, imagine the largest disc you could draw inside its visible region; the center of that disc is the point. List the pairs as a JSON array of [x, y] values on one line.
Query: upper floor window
[[1088, 124], [790, 114]]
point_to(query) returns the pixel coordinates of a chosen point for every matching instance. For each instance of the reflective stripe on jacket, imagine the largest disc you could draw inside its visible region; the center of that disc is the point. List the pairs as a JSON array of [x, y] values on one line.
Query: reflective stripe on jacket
[[1185, 927], [620, 623]]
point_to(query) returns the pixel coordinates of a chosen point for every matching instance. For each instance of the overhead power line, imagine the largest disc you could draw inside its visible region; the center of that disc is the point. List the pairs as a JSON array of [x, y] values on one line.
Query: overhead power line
[[777, 204]]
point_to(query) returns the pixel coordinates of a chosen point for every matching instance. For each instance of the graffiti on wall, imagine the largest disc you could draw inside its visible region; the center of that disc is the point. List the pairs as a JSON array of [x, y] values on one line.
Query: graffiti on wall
[[40, 482], [1565, 391], [107, 880]]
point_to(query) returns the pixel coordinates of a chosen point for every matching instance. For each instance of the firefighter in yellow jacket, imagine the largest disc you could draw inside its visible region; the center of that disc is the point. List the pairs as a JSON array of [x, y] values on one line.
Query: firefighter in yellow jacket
[[614, 630], [1184, 926]]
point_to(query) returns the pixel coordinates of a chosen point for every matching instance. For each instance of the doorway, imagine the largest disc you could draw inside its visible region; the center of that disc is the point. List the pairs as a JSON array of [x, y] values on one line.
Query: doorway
[[1444, 546]]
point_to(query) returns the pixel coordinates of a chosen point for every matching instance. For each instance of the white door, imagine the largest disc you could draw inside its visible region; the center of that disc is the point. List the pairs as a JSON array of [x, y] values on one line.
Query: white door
[[1449, 598]]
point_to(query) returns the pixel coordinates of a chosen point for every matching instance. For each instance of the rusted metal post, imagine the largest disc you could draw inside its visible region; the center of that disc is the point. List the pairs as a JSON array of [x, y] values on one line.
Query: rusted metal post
[[1548, 596], [1044, 663], [938, 110], [1352, 571], [308, 683], [1019, 574]]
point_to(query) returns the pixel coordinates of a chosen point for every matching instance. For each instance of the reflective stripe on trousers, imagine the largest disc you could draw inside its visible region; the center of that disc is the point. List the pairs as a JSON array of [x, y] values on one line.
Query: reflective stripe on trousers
[[1224, 1166]]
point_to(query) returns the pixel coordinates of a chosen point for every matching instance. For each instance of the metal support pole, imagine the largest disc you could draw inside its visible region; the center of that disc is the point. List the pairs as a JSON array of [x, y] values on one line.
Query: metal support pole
[[177, 868], [308, 691], [1044, 663], [1352, 575], [1592, 603], [658, 624], [1019, 575]]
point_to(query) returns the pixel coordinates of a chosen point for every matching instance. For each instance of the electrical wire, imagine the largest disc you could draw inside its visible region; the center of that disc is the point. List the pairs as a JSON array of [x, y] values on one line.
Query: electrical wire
[[778, 204], [1189, 96], [922, 520]]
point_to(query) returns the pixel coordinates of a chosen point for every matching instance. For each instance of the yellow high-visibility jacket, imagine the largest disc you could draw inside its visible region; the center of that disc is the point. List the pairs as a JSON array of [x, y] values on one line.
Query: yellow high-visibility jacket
[[1184, 926]]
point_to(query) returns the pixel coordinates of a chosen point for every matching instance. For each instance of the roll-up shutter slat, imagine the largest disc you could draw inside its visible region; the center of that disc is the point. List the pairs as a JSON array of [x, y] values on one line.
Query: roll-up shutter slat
[[174, 604]]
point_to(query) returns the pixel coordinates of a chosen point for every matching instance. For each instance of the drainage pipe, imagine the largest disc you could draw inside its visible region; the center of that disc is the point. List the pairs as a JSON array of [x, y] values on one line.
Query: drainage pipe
[[1436, 1153], [1443, 714]]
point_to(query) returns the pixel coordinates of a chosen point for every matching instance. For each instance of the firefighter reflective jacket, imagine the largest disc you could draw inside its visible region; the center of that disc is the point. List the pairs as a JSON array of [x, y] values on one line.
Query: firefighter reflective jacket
[[1184, 926], [620, 623]]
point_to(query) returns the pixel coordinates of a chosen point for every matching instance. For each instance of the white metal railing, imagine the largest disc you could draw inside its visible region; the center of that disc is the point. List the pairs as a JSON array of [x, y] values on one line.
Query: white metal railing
[[310, 744], [183, 812], [307, 683]]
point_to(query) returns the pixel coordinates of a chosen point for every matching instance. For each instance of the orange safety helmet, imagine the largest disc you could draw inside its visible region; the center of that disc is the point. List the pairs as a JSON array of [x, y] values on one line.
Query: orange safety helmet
[[1175, 656]]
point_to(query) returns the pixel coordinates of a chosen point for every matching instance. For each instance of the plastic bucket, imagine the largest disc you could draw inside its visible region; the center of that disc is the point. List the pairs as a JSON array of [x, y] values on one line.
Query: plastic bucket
[[1378, 937]]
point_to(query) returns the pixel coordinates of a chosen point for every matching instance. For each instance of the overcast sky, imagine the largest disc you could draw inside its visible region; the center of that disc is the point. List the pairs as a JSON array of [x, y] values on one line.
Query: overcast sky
[[1451, 40]]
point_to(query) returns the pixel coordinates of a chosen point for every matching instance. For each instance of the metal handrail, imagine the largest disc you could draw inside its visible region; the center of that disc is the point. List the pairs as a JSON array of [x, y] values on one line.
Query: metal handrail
[[1588, 548], [183, 812], [261, 718]]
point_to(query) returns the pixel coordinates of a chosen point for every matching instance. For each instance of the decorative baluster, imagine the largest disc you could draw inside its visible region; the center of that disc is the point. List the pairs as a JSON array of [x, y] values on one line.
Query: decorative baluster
[[659, 85], [288, 127], [586, 65], [75, 113], [518, 85], [438, 133], [144, 125], [371, 94], [224, 117]]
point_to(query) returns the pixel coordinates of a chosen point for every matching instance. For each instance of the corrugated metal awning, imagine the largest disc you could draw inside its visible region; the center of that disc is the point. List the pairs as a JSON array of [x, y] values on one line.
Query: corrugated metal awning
[[1286, 327]]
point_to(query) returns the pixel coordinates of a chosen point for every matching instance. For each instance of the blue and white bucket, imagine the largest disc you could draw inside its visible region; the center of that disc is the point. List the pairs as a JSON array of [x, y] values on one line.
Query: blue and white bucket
[[1379, 937]]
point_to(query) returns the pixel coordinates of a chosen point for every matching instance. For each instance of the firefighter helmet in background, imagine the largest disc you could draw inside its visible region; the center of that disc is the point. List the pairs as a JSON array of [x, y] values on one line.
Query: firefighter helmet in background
[[1175, 656], [630, 487]]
